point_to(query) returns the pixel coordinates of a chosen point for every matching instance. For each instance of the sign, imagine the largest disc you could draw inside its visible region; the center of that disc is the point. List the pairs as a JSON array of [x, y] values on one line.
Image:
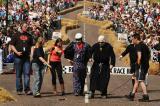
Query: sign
[[68, 69], [33, 15], [132, 3], [122, 37], [121, 71], [86, 13], [154, 55], [114, 71], [56, 35]]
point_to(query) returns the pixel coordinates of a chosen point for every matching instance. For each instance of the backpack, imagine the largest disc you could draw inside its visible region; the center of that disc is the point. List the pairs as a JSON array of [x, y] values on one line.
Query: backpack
[[9, 58]]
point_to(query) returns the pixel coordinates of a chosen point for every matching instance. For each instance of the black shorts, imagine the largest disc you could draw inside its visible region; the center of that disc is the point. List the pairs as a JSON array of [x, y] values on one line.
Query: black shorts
[[133, 68], [141, 74]]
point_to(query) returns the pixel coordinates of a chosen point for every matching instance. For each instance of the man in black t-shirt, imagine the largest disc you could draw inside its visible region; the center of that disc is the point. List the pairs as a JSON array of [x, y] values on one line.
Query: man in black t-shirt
[[131, 50], [21, 46], [142, 66]]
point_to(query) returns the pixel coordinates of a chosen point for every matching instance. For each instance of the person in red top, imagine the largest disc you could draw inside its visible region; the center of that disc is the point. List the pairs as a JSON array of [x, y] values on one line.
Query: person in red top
[[55, 62]]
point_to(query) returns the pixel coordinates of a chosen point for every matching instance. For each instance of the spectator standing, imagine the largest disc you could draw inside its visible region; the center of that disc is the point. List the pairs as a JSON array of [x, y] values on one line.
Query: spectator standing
[[38, 66], [21, 46], [55, 62]]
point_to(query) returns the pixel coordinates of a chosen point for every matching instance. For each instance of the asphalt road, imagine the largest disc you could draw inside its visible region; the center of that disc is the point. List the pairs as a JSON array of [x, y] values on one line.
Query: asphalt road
[[115, 97]]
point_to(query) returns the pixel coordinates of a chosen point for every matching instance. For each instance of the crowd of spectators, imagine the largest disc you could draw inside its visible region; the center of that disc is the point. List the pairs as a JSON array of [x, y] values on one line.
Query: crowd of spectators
[[143, 18], [24, 10], [41, 16], [129, 18], [97, 13]]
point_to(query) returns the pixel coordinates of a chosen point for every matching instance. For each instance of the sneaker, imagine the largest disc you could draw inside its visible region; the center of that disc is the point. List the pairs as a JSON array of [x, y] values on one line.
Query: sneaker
[[28, 93], [19, 93], [144, 99], [37, 95]]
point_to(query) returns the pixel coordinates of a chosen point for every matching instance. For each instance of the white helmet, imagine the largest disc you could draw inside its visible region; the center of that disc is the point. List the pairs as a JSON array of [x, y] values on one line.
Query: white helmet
[[101, 38], [78, 36]]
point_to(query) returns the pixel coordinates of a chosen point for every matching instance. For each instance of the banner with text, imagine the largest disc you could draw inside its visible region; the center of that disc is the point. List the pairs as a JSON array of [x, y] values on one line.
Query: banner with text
[[122, 37], [114, 71], [121, 71]]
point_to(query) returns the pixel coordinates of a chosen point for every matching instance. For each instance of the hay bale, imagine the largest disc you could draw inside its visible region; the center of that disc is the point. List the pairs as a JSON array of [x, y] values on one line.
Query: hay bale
[[103, 24], [68, 24], [79, 6], [64, 34], [48, 45], [5, 96], [153, 69], [66, 21], [88, 3]]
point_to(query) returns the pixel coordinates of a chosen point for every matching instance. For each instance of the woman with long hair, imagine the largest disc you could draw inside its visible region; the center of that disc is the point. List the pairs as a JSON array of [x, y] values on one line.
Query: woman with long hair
[[55, 62], [38, 65]]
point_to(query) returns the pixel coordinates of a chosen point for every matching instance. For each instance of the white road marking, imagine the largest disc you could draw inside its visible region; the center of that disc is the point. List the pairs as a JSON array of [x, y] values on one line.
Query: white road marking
[[86, 99]]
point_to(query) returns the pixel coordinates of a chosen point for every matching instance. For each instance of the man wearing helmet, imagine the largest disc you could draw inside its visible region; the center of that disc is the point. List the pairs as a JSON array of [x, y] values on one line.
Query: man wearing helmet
[[78, 54]]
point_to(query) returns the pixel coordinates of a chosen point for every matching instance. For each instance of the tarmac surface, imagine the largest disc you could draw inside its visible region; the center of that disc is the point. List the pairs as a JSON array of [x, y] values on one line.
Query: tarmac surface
[[119, 86]]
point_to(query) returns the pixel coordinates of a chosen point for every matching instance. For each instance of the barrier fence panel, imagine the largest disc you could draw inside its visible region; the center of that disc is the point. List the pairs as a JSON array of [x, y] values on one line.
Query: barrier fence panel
[[114, 71]]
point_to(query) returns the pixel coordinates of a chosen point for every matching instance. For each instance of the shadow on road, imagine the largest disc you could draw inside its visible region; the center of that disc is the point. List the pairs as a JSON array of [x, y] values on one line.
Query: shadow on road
[[47, 93], [69, 93], [110, 97], [154, 91], [50, 94], [155, 100]]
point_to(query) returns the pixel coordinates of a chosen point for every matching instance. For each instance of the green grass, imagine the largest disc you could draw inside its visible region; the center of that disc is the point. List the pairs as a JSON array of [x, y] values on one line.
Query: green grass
[[154, 1]]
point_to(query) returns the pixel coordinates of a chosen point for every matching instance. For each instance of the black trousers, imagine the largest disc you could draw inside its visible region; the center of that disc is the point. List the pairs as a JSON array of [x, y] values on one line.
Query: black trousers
[[56, 68], [99, 78], [103, 91]]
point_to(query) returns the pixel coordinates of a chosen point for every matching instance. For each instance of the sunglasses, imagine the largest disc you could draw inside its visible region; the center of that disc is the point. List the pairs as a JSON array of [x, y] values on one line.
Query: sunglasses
[[78, 40]]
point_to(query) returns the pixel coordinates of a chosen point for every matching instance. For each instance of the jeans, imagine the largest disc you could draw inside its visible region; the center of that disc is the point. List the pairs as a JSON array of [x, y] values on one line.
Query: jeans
[[22, 66], [38, 73]]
